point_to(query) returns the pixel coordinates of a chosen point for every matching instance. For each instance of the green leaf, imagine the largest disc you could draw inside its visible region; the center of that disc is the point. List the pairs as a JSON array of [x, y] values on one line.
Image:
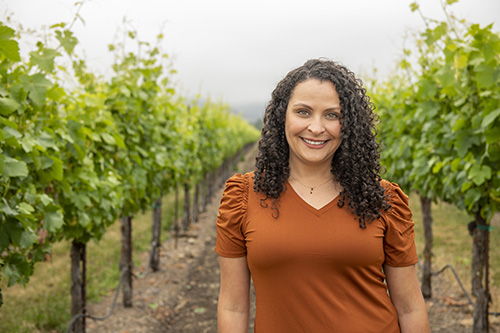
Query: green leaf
[[472, 196], [15, 232], [479, 174], [440, 31], [437, 167], [494, 151], [10, 132], [7, 210], [490, 117], [485, 76], [414, 6], [27, 142], [25, 208], [459, 124], [7, 106], [4, 239], [462, 143], [445, 76], [14, 168], [44, 59], [67, 40], [455, 164], [57, 168], [45, 199], [81, 201], [466, 186], [9, 47], [84, 219], [46, 162], [28, 238], [37, 86], [53, 221], [109, 139]]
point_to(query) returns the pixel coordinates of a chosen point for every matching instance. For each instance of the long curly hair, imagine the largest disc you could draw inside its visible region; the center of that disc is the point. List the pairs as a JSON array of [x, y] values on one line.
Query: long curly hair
[[355, 164]]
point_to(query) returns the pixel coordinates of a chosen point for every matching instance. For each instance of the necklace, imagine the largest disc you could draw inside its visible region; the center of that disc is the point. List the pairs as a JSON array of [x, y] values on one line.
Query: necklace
[[311, 188]]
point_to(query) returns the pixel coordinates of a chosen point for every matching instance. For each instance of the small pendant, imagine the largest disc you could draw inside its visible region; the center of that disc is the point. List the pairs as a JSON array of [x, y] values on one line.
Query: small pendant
[[312, 188]]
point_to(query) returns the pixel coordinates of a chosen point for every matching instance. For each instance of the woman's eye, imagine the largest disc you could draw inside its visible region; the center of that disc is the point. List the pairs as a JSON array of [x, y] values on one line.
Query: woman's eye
[[332, 115], [303, 112]]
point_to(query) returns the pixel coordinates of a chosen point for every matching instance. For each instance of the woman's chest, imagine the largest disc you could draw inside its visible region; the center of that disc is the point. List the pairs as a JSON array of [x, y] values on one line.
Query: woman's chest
[[303, 235]]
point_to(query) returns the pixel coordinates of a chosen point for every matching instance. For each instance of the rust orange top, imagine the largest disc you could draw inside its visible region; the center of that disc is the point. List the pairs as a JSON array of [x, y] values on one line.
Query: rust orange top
[[316, 270]]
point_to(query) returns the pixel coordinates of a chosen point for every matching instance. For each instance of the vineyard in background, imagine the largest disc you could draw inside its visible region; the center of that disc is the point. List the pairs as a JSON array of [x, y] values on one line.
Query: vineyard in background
[[440, 129], [79, 152]]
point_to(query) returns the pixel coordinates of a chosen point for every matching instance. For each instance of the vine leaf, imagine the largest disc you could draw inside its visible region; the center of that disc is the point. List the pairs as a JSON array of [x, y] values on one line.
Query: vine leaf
[[44, 59], [14, 168], [53, 220], [479, 174], [67, 40], [9, 47], [37, 86], [7, 106], [487, 120]]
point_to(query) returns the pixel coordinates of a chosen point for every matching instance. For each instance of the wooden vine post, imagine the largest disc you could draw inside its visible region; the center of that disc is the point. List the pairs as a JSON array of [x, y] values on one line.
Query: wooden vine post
[[480, 268], [196, 202], [126, 263], [427, 266], [186, 220], [156, 236], [78, 285]]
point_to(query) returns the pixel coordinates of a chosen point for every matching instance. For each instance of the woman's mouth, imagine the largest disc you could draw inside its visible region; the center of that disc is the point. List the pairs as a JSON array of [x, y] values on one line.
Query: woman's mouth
[[313, 142]]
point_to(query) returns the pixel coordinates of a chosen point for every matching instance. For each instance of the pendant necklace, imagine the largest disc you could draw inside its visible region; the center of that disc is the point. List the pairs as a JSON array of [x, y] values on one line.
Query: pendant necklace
[[311, 187]]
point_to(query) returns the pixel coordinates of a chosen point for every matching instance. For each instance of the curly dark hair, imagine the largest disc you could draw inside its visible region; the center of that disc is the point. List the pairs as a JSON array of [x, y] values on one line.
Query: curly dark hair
[[355, 164]]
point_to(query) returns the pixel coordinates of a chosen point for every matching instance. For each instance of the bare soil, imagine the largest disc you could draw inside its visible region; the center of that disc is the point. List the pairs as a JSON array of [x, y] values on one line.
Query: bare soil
[[182, 295]]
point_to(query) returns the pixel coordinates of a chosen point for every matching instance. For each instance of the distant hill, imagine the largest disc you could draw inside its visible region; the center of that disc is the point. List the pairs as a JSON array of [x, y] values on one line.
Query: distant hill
[[253, 113]]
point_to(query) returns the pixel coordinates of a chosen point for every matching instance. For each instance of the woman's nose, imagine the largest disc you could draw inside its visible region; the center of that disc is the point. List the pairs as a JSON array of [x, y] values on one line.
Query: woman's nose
[[316, 126]]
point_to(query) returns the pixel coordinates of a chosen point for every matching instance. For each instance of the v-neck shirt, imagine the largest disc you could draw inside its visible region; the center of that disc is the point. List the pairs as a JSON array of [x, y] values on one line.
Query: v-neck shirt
[[316, 270], [301, 201]]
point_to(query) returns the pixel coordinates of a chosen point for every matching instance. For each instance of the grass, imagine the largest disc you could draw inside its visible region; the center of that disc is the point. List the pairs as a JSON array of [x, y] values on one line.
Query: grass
[[453, 245], [44, 304]]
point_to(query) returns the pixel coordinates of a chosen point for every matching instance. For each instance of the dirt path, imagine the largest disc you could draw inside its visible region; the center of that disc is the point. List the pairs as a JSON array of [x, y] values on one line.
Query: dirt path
[[182, 296]]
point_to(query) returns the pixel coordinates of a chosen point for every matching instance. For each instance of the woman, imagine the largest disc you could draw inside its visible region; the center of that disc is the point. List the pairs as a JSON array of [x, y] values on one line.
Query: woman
[[314, 225]]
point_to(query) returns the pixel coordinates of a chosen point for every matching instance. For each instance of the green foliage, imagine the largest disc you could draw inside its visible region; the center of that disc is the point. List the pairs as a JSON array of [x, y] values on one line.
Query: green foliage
[[441, 118], [73, 161]]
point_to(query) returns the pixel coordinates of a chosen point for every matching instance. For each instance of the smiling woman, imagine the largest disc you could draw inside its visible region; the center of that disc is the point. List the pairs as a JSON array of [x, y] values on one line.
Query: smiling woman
[[335, 232], [312, 127]]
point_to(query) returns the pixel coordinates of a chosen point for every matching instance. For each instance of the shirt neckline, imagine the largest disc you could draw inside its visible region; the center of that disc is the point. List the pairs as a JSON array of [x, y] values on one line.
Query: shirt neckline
[[316, 211]]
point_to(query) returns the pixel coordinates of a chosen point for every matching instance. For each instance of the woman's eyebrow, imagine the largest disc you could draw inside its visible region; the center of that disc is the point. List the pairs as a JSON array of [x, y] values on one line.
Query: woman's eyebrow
[[333, 108]]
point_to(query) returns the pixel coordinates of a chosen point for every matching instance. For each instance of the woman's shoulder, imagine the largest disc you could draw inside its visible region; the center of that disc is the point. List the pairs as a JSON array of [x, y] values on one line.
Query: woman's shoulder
[[240, 181], [398, 200], [392, 189], [237, 189]]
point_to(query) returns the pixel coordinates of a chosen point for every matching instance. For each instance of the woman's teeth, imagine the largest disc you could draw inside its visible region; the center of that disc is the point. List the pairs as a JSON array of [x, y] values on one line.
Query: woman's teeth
[[317, 143]]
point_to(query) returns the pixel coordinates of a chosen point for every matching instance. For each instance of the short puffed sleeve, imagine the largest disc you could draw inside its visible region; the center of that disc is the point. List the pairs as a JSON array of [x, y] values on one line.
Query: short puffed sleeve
[[231, 217], [399, 239]]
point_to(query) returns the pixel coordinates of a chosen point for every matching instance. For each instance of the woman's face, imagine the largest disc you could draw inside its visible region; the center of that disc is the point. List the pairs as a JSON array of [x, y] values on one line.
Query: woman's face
[[312, 123]]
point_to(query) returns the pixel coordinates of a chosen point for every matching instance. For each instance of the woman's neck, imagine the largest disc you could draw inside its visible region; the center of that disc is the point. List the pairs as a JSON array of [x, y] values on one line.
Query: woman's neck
[[310, 173]]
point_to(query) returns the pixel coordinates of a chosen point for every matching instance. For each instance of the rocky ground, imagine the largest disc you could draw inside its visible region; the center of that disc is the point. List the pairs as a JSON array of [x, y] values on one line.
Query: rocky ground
[[182, 296]]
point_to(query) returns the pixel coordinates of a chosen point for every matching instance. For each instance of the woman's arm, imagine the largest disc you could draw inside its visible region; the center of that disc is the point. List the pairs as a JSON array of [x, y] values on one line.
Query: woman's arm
[[407, 299], [234, 296]]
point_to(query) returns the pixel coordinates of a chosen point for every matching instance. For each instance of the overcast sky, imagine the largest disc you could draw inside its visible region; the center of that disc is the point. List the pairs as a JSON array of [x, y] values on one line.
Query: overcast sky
[[236, 51]]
